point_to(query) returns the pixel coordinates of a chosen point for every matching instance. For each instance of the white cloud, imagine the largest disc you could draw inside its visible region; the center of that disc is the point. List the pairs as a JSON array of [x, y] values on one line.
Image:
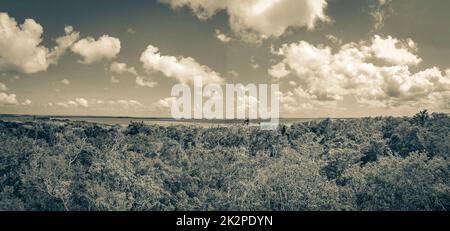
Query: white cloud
[[126, 104], [20, 46], [65, 82], [143, 82], [253, 62], [394, 51], [234, 73], [279, 70], [78, 102], [380, 12], [114, 79], [203, 9], [105, 48], [8, 99], [67, 104], [129, 103], [181, 68], [222, 37], [333, 39], [259, 19], [63, 44], [3, 87], [131, 31], [26, 102], [165, 103], [82, 102], [360, 71], [122, 68], [21, 49]]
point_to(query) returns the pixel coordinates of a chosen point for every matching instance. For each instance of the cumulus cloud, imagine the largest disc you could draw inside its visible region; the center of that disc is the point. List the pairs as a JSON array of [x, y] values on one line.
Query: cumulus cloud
[[21, 49], [65, 82], [114, 79], [129, 103], [380, 11], [203, 9], [20, 46], [26, 102], [8, 99], [145, 82], [222, 37], [126, 104], [253, 62], [67, 104], [82, 102], [333, 39], [165, 103], [380, 78], [259, 19], [3, 87], [63, 44], [394, 51], [181, 68], [122, 68], [78, 102], [234, 73], [131, 31], [279, 70], [104, 48]]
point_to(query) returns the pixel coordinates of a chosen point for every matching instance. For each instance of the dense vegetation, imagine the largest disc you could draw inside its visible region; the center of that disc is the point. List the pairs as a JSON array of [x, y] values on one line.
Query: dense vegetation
[[353, 164]]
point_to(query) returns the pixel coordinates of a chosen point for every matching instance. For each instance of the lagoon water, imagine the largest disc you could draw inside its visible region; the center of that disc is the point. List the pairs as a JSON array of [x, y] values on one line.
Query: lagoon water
[[124, 121]]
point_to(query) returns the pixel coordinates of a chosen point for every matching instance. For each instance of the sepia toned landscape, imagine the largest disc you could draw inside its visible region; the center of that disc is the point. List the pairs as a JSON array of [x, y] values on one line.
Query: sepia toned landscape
[[224, 105], [374, 164]]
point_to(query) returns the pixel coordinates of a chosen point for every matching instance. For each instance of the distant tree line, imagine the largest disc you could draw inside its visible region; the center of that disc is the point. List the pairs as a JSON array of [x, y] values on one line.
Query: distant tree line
[[381, 163]]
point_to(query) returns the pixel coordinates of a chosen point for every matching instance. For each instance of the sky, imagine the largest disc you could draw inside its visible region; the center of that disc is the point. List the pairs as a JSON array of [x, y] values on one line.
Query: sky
[[331, 58]]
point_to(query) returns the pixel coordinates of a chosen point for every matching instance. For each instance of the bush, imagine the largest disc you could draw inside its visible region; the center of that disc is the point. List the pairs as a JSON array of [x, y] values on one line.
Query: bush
[[340, 164]]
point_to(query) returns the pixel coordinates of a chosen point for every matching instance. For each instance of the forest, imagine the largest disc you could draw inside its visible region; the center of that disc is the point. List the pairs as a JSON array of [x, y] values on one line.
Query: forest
[[363, 164]]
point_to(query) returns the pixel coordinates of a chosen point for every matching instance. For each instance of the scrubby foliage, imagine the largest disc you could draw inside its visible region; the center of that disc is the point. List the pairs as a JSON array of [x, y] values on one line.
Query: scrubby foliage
[[352, 164]]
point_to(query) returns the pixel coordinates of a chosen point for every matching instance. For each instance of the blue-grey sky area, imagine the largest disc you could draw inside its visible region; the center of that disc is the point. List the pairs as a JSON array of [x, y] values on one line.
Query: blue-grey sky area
[[332, 58]]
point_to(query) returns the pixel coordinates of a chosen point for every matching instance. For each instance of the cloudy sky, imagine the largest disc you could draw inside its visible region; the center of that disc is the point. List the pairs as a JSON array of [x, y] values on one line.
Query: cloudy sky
[[332, 58]]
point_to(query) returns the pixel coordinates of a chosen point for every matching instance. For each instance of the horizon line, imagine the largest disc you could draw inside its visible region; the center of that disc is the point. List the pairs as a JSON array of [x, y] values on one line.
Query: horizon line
[[192, 119]]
